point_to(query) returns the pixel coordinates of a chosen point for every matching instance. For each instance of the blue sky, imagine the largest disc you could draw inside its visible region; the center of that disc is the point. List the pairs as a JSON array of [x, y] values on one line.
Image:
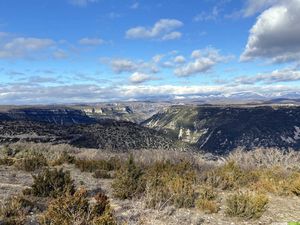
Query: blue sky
[[64, 51]]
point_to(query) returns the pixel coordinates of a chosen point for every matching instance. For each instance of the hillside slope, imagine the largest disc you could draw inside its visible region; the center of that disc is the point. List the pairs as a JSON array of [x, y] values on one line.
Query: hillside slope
[[106, 134], [221, 129]]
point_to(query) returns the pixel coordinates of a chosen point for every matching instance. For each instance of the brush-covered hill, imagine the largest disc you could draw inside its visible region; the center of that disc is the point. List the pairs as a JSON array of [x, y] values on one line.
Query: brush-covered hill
[[63, 125], [220, 129]]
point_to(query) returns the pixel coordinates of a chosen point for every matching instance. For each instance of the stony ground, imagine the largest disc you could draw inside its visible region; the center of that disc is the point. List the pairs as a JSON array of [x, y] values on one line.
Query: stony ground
[[280, 209]]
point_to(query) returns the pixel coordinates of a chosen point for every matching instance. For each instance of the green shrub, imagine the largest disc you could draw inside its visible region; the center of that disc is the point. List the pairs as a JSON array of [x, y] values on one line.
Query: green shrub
[[52, 183], [128, 181], [102, 174], [170, 184], [246, 205], [76, 209], [31, 162]]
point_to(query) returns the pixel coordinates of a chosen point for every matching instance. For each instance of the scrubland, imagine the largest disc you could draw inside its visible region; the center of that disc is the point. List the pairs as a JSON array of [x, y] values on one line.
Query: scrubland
[[62, 185]]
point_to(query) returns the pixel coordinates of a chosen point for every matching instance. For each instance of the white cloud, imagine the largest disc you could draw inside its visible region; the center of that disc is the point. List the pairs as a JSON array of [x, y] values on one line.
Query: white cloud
[[172, 36], [276, 76], [163, 29], [179, 59], [196, 54], [206, 16], [123, 65], [27, 94], [138, 78], [276, 34], [91, 41], [60, 54], [255, 6], [203, 61], [23, 47], [157, 58], [82, 3]]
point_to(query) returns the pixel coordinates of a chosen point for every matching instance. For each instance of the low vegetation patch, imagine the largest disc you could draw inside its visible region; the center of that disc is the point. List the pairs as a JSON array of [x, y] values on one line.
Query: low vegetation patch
[[51, 183], [170, 184], [64, 157], [247, 205], [15, 210], [6, 161], [102, 174], [128, 180], [87, 165], [76, 209], [207, 200], [31, 163]]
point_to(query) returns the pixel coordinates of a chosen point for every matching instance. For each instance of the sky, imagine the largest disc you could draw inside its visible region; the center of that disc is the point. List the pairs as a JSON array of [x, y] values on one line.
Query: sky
[[76, 51]]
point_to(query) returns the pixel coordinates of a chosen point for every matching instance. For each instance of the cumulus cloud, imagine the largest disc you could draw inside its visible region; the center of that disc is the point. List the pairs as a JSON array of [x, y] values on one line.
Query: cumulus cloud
[[163, 29], [203, 61], [254, 6], [179, 59], [91, 41], [138, 78], [123, 65], [276, 76], [276, 34], [81, 3], [22, 47]]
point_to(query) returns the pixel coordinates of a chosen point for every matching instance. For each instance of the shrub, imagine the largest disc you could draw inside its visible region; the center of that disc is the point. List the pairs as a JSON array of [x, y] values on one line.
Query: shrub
[[64, 157], [168, 183], [275, 180], [93, 165], [207, 200], [10, 152], [246, 205], [52, 183], [229, 176], [76, 209], [14, 211], [128, 181], [102, 174], [31, 163], [6, 161], [294, 187]]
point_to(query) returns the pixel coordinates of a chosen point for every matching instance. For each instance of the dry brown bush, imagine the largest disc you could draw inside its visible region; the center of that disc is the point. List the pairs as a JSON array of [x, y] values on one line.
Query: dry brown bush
[[265, 158]]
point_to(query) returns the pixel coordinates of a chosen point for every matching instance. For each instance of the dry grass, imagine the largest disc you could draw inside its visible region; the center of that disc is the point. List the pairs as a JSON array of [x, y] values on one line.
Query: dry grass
[[76, 209], [266, 158], [247, 205]]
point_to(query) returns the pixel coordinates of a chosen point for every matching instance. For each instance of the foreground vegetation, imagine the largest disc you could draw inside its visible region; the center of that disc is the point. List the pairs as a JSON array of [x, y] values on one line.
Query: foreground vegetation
[[240, 185]]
